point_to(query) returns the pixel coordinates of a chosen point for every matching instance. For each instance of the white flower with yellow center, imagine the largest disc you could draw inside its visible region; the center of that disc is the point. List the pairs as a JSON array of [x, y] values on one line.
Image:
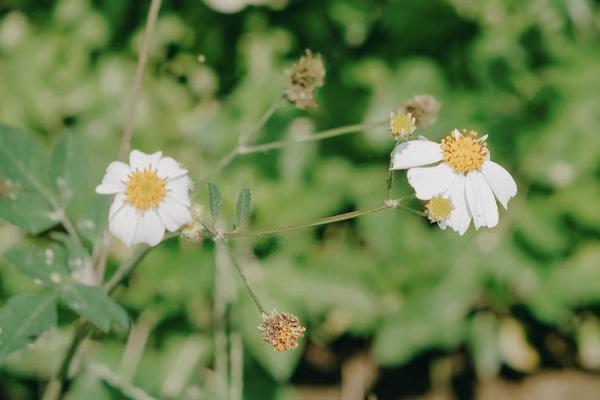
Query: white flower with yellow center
[[463, 174], [151, 194]]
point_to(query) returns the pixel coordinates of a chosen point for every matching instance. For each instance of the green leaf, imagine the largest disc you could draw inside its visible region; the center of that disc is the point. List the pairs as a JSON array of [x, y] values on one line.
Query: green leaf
[[25, 198], [243, 206], [47, 266], [73, 184], [92, 303], [78, 260], [215, 200], [23, 318]]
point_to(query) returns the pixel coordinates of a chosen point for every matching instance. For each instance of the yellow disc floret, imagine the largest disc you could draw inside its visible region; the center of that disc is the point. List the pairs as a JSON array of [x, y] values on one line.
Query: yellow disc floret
[[438, 208], [401, 124], [464, 152], [145, 189]]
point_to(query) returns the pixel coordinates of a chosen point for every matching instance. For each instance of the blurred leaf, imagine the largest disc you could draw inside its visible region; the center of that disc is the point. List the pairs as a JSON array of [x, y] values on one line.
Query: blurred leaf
[[25, 199], [215, 200], [92, 303], [23, 318], [483, 344], [78, 259], [243, 206], [49, 266]]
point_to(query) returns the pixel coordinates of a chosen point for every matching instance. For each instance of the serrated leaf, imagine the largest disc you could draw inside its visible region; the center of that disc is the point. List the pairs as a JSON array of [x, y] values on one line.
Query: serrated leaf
[[47, 266], [25, 200], [92, 303], [215, 200], [243, 206], [23, 318]]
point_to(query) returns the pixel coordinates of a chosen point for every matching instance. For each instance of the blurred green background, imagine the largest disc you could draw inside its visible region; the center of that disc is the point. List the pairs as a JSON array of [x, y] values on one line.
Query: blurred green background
[[394, 307]]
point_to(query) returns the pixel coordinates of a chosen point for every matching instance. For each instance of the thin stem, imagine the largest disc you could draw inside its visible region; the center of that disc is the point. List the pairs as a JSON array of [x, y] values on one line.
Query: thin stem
[[258, 303], [70, 228], [56, 387], [343, 130], [323, 221], [138, 78], [246, 137], [125, 269]]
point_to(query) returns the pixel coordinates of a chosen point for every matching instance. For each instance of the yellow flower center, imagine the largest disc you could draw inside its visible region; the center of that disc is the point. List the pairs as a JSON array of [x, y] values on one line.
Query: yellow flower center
[[401, 124], [438, 208], [145, 189], [464, 152]]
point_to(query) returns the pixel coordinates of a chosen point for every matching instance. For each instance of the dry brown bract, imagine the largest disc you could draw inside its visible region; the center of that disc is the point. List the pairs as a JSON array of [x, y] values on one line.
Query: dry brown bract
[[303, 78], [281, 330]]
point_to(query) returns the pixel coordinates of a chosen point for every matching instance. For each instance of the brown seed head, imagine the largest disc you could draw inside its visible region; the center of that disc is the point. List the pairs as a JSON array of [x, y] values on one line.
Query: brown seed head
[[281, 330], [303, 78], [424, 108]]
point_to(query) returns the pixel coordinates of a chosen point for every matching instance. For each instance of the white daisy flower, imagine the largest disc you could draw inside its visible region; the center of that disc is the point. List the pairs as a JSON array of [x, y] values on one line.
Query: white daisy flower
[[152, 193], [463, 173]]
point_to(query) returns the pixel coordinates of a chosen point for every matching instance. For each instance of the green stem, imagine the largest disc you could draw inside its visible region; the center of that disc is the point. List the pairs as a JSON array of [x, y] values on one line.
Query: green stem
[[242, 275], [323, 221], [314, 137]]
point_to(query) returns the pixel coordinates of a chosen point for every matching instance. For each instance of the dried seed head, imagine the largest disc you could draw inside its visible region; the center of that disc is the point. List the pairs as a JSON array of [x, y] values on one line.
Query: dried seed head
[[402, 124], [281, 330], [193, 231], [303, 78], [424, 108]]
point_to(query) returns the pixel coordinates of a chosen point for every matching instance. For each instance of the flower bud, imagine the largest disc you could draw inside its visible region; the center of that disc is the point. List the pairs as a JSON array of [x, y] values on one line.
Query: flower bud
[[438, 208]]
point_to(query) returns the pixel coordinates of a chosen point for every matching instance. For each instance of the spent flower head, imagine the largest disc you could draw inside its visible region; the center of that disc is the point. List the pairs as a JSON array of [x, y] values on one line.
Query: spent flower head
[[303, 78], [281, 330], [151, 195], [424, 108], [402, 124], [192, 231]]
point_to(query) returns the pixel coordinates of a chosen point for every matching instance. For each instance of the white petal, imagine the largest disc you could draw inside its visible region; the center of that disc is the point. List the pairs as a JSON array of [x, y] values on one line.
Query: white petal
[[179, 189], [459, 219], [118, 203], [150, 230], [415, 153], [124, 224], [173, 214], [141, 161], [500, 181], [169, 169], [114, 178], [481, 201], [429, 181]]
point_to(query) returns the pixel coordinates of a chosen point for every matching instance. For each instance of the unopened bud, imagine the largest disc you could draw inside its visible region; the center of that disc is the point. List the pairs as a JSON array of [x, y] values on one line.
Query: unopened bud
[[193, 231], [402, 125]]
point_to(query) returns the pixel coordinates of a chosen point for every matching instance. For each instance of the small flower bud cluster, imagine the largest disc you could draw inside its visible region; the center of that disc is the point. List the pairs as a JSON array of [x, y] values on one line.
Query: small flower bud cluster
[[303, 78], [281, 330], [193, 231]]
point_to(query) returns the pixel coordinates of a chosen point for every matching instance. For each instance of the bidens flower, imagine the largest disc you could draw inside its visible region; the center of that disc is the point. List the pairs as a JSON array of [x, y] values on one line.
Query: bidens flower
[[464, 175], [402, 125], [152, 193]]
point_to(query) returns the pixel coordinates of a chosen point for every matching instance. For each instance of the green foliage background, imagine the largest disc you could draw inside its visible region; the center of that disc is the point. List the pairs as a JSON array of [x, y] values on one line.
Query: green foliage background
[[388, 284]]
